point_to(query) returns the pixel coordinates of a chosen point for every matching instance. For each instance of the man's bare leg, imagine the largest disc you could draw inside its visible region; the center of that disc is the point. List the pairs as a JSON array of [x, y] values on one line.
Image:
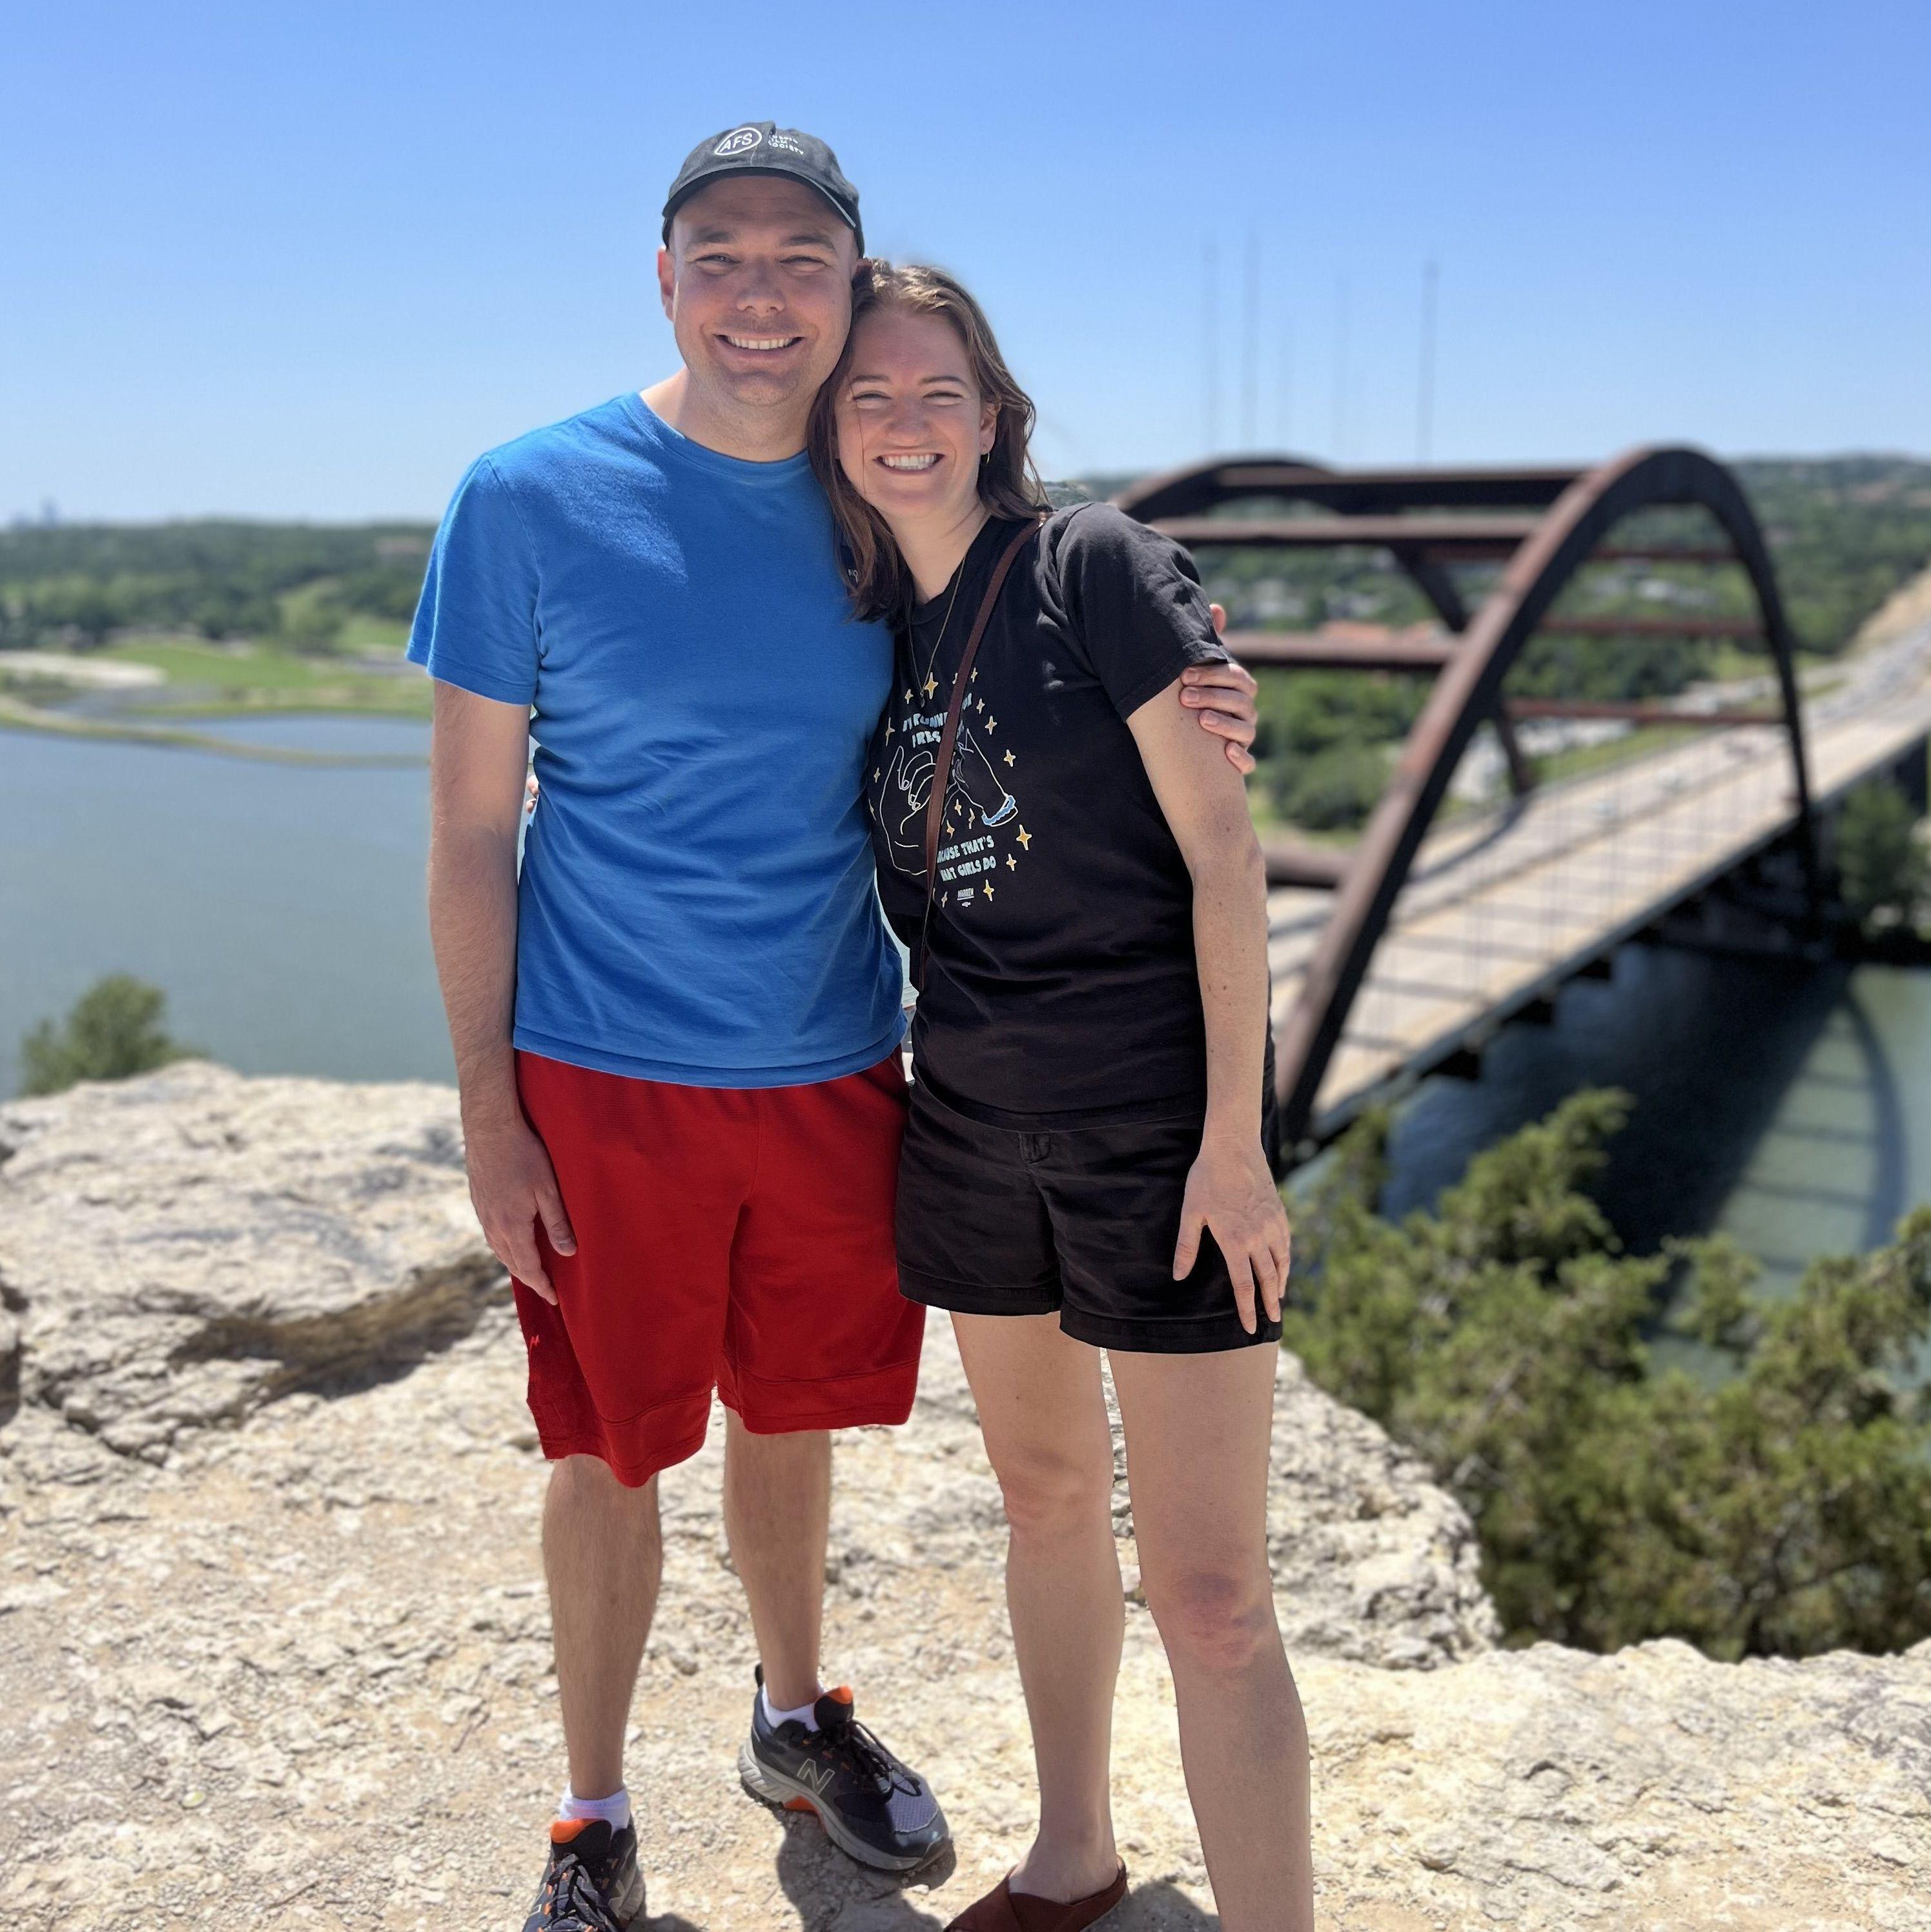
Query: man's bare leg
[[603, 1556], [777, 1513]]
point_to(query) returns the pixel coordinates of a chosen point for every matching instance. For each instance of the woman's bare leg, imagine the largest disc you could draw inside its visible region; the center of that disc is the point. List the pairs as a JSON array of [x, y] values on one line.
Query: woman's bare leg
[[1044, 1416], [1197, 1429]]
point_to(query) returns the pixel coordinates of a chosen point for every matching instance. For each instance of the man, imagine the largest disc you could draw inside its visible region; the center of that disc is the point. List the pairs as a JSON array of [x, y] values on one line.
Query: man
[[677, 1036]]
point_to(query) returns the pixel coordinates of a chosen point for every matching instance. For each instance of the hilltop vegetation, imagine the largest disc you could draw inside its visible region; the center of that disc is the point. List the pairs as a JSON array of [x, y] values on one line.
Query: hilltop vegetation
[[117, 1028], [1845, 532], [252, 616], [1782, 1511], [297, 586]]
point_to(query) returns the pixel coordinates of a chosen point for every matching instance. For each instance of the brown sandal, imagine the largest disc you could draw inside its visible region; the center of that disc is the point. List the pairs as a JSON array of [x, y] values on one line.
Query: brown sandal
[[1002, 1909]]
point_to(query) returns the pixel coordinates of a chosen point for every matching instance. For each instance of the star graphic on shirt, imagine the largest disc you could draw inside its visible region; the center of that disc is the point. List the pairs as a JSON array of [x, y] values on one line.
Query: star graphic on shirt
[[1009, 758], [931, 684], [874, 774], [888, 731], [1025, 836], [974, 679], [988, 888], [992, 724], [979, 704], [1012, 864], [908, 697]]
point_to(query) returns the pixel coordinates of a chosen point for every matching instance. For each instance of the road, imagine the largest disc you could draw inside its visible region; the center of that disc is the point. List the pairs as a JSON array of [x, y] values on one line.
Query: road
[[1504, 902]]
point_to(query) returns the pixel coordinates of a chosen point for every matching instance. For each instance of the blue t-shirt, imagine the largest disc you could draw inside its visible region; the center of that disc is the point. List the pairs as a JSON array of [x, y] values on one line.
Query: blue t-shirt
[[697, 902]]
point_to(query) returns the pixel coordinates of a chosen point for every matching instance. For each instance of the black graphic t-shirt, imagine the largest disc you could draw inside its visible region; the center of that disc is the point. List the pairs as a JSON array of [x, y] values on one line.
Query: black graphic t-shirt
[[1061, 986]]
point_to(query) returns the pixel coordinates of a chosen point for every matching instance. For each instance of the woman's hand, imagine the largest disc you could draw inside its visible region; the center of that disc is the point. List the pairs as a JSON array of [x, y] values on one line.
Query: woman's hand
[[1221, 696], [1229, 1190]]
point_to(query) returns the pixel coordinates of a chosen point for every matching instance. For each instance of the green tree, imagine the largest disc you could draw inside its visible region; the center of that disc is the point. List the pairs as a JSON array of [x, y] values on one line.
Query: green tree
[[1785, 1510], [1881, 866], [84, 612], [1333, 790], [223, 611], [115, 1029]]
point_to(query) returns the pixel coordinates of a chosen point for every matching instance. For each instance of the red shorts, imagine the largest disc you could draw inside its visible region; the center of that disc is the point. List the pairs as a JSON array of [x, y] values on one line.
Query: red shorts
[[733, 1238]]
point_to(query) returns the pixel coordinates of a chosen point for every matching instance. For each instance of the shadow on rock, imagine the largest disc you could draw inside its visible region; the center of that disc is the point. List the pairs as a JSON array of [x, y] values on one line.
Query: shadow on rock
[[830, 1894], [1160, 1907]]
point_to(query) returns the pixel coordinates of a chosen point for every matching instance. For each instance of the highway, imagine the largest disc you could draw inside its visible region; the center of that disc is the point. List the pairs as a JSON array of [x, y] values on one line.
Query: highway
[[1505, 902]]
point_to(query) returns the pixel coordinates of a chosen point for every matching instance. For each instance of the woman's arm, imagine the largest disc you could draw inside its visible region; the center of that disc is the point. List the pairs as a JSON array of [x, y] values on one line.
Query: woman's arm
[[1230, 1188]]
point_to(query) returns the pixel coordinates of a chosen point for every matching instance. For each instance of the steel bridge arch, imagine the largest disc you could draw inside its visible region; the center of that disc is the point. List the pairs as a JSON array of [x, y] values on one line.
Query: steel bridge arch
[[1579, 509]]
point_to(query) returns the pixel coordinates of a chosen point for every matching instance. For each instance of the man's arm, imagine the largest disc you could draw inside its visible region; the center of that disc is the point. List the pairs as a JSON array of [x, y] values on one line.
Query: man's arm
[[1229, 1188], [478, 752]]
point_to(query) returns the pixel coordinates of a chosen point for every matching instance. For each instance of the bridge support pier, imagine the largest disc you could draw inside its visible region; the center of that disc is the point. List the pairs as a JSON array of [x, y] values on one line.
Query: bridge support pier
[[1766, 909]]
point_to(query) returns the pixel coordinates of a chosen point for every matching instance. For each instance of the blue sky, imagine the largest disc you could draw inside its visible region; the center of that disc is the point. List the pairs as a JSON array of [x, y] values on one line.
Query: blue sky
[[307, 259]]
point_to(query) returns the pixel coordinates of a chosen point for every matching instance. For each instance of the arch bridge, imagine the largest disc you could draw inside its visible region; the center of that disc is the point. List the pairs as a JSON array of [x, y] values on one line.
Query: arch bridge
[[1522, 834]]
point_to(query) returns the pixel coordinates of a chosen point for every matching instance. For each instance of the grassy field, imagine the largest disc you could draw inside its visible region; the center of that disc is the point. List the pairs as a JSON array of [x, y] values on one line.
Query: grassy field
[[17, 715], [211, 680]]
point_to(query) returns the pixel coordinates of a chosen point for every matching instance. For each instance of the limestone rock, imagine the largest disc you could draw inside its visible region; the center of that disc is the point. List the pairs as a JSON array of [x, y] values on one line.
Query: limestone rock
[[301, 1666], [188, 1245], [180, 1248], [1372, 1559]]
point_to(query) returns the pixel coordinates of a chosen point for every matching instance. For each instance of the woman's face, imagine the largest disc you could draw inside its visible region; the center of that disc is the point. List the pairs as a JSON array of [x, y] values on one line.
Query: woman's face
[[911, 425]]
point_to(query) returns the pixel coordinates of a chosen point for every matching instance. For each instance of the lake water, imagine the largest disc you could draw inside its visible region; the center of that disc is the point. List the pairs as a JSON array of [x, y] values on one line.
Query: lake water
[[280, 906]]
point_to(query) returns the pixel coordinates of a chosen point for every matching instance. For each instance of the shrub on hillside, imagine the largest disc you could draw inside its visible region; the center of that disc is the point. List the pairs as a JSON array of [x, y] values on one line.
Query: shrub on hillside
[[1782, 1510], [1330, 790], [1882, 867], [114, 1030]]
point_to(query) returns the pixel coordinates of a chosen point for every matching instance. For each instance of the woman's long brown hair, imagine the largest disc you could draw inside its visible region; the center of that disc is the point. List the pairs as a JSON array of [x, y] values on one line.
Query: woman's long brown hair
[[1009, 486]]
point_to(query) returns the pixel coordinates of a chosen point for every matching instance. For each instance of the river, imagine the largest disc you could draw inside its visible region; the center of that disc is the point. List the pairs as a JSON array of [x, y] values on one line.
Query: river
[[281, 906]]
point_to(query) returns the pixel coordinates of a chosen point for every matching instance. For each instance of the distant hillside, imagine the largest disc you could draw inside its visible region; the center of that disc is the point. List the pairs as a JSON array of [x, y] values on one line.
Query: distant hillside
[[295, 583], [1845, 532]]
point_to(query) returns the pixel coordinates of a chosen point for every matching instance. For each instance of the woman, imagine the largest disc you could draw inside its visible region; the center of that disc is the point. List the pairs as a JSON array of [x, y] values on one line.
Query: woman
[[1083, 1165]]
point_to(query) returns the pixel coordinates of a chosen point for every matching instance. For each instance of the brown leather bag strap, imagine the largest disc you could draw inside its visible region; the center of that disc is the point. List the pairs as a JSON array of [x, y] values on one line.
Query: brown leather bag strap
[[934, 809], [941, 770]]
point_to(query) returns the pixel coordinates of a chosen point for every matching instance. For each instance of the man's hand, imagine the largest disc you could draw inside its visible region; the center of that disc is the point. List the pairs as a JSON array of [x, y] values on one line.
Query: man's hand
[[512, 1187], [1222, 697], [1229, 1190], [479, 789]]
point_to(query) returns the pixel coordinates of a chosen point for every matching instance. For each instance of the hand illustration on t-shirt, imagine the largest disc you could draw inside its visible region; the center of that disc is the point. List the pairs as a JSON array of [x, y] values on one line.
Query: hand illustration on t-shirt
[[902, 806], [973, 777]]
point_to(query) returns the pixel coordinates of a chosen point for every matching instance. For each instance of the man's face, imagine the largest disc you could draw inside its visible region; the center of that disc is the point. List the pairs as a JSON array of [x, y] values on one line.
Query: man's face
[[757, 283]]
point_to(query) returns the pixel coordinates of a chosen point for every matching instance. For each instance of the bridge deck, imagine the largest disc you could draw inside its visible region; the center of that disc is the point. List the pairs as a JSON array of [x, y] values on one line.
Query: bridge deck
[[1503, 905]]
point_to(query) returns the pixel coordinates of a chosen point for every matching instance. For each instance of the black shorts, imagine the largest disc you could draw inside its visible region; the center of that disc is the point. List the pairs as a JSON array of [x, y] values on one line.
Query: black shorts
[[1078, 1221]]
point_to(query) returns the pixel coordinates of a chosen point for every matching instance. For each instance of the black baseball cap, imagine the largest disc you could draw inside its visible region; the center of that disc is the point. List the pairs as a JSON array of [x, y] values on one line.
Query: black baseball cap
[[763, 148]]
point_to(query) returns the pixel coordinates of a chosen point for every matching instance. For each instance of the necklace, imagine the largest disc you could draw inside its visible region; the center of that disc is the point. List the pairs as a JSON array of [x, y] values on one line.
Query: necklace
[[931, 683]]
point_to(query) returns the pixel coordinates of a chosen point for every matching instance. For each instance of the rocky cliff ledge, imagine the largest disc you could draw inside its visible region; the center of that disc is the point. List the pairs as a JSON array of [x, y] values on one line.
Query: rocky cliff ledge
[[274, 1647]]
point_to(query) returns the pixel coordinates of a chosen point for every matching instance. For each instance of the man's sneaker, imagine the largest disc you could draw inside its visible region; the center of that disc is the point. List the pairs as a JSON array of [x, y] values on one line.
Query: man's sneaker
[[873, 1807], [592, 1883]]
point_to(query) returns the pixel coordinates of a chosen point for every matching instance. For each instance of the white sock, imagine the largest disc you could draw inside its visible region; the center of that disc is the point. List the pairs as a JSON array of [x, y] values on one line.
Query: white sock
[[806, 1714], [614, 1811]]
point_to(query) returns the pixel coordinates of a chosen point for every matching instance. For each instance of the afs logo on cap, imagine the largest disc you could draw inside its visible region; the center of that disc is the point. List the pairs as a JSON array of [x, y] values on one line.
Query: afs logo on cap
[[740, 141]]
